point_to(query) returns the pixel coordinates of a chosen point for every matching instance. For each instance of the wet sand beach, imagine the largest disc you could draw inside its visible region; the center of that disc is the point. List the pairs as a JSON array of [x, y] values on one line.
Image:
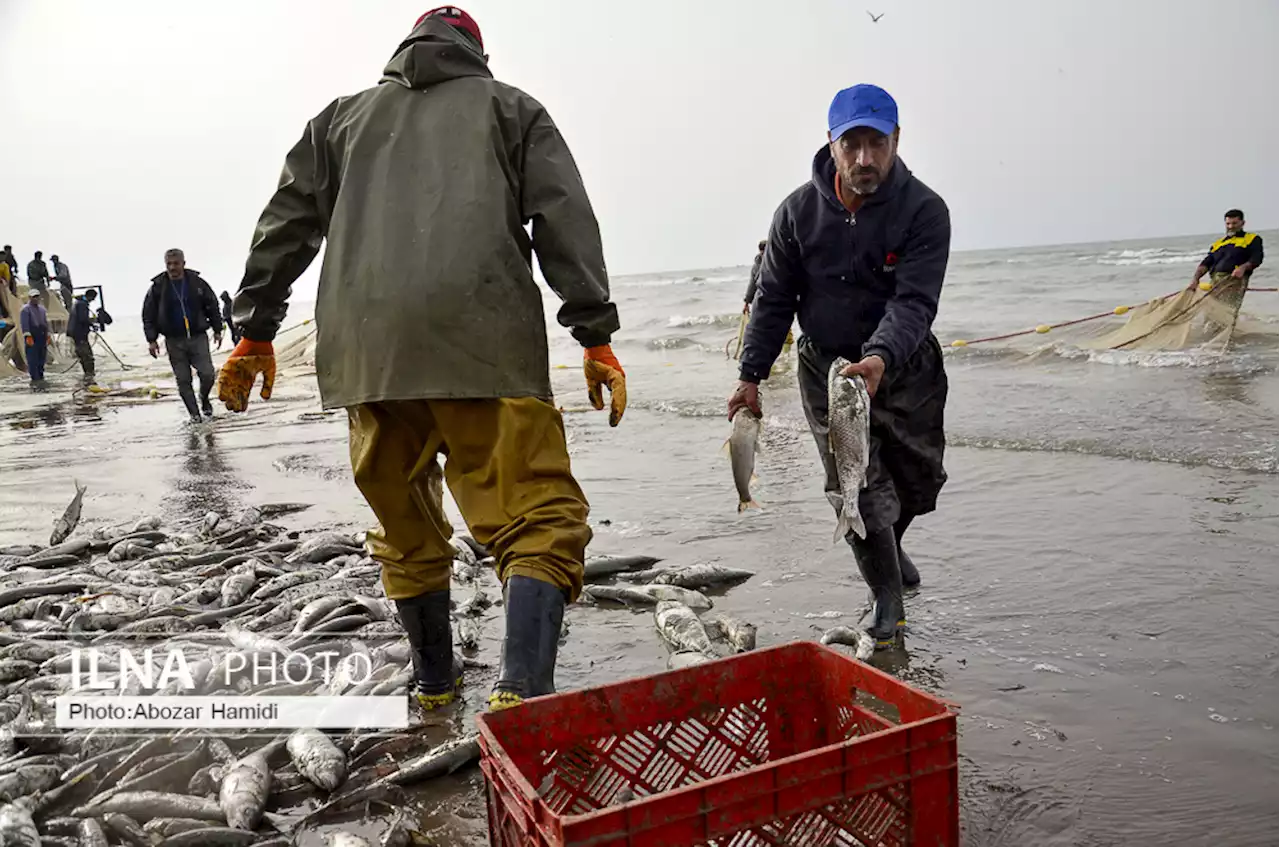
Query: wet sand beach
[[1099, 582]]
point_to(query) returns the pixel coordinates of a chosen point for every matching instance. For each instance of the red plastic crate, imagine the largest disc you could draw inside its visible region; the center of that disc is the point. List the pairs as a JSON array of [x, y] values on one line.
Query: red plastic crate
[[795, 745]]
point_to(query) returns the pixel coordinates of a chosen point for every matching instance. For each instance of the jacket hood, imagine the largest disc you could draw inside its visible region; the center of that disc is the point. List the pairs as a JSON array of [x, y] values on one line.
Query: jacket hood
[[433, 53], [824, 178], [163, 275]]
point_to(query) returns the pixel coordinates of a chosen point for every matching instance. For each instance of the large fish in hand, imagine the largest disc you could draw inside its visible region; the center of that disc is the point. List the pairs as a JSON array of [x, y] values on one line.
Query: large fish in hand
[[849, 434], [743, 442], [64, 525]]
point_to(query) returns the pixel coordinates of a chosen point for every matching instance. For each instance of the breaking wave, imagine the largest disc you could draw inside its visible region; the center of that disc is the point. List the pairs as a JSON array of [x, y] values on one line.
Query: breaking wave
[[1259, 461], [1149, 256], [676, 321]]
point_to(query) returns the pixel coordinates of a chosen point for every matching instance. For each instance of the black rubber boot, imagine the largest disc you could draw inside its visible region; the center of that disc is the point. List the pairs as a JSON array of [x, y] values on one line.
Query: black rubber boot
[[206, 407], [189, 400], [910, 576], [437, 672], [535, 611], [877, 557]]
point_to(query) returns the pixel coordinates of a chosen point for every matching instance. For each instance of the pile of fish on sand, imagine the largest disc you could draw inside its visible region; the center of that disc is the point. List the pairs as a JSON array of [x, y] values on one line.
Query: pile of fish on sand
[[209, 589], [676, 595]]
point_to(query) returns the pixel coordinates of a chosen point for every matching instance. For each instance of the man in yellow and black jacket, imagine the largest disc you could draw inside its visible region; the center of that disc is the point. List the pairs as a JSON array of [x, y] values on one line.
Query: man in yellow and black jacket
[[1232, 257]]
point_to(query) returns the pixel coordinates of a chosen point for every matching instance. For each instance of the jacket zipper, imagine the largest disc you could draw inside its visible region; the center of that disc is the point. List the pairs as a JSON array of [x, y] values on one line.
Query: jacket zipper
[[853, 248]]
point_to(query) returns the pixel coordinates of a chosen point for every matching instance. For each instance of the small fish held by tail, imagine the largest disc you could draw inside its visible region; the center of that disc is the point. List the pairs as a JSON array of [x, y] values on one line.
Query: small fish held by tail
[[743, 444]]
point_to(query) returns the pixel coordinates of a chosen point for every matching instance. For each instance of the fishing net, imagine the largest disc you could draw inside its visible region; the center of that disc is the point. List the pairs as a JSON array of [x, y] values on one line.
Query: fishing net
[[296, 347], [1206, 320]]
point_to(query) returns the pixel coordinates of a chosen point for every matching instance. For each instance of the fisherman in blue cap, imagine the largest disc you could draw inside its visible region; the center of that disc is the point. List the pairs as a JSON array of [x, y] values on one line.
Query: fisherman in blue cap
[[858, 253]]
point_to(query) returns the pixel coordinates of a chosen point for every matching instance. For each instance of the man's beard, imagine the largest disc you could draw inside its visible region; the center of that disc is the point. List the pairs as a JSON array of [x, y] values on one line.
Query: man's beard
[[857, 184]]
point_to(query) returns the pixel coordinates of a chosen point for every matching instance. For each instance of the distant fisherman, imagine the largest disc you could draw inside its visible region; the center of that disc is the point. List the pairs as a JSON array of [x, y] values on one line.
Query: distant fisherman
[[84, 320], [753, 280], [63, 275], [38, 274], [752, 284], [445, 355], [35, 334], [859, 253], [1231, 261], [226, 318]]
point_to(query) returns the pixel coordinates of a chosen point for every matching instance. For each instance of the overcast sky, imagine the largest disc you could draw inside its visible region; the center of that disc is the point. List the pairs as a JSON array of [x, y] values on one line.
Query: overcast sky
[[136, 125]]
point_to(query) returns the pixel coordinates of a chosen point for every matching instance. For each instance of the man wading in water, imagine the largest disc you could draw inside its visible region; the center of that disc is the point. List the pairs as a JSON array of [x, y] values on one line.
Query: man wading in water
[[1231, 261], [859, 253], [181, 306], [430, 333]]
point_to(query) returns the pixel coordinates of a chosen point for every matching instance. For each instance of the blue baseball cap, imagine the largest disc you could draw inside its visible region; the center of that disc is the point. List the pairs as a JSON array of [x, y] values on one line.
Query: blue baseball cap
[[862, 105]]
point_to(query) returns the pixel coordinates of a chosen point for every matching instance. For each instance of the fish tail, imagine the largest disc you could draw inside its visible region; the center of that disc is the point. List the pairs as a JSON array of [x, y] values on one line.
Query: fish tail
[[842, 528], [849, 521]]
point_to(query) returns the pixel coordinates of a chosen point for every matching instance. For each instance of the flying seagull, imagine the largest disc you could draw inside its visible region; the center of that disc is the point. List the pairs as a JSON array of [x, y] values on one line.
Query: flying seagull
[[875, 18]]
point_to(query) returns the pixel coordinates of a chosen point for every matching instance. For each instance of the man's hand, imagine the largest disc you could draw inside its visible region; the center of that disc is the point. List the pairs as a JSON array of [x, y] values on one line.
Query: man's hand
[[601, 369], [241, 370], [746, 308], [217, 341], [871, 369], [30, 339], [745, 396], [154, 349], [1239, 272]]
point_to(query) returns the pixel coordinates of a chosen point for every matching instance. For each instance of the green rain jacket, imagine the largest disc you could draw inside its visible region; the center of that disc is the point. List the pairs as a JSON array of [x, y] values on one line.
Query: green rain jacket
[[422, 187]]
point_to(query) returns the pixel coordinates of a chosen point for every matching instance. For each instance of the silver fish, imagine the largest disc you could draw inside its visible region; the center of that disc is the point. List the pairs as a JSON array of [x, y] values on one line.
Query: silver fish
[[687, 659], [649, 595], [859, 639], [64, 525], [743, 443], [317, 758], [849, 434], [237, 586], [145, 805], [126, 830], [701, 576], [440, 761], [29, 780], [462, 551], [91, 834], [468, 634], [245, 787], [740, 634], [680, 627], [17, 828], [598, 566], [211, 836], [168, 826], [477, 604]]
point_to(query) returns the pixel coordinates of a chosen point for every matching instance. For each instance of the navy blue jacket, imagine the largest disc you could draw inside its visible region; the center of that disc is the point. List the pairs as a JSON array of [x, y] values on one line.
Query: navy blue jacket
[[1232, 251], [81, 319], [862, 285], [161, 317]]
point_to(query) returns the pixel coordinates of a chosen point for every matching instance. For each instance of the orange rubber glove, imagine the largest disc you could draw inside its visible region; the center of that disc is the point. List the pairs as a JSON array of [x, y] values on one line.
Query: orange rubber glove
[[31, 341], [241, 369], [602, 369]]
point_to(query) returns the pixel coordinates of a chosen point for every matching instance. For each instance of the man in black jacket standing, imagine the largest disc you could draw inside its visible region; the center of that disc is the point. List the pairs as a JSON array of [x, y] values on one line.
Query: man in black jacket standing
[[183, 308], [859, 253], [82, 321]]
